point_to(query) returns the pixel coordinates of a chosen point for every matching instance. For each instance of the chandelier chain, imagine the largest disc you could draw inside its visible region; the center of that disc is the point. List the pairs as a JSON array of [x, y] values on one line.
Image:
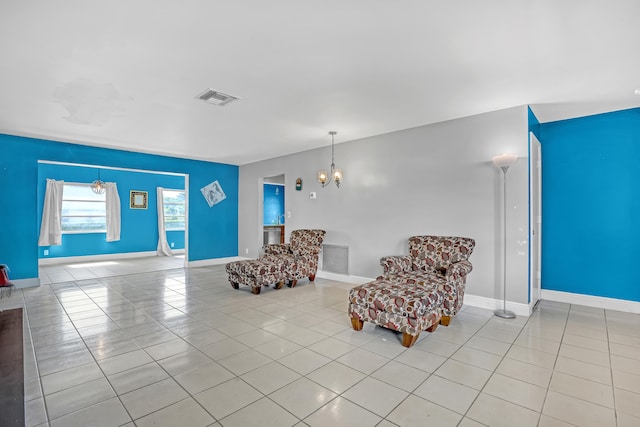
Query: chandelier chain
[[335, 174]]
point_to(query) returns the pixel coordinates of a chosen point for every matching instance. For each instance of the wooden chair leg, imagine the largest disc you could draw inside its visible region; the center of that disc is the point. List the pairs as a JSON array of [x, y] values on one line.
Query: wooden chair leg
[[357, 324], [444, 321], [292, 283], [234, 285], [279, 285], [312, 277], [409, 340], [432, 328], [256, 290]]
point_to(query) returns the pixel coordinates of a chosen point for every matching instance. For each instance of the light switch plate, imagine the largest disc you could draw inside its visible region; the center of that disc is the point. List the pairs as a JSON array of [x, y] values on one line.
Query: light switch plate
[[312, 195]]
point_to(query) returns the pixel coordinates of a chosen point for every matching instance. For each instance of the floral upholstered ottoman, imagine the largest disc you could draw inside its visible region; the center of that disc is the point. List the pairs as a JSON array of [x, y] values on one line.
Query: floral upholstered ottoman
[[256, 273], [409, 308]]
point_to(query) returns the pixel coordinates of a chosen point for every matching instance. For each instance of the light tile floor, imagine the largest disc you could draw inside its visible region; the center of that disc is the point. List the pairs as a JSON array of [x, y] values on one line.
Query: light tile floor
[[181, 347], [57, 273]]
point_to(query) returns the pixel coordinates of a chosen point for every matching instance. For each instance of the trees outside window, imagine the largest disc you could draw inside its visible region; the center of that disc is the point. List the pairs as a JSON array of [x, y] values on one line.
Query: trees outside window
[[174, 209]]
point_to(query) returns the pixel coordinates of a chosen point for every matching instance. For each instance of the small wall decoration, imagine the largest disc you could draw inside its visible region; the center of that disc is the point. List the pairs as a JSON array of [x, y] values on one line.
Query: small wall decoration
[[298, 184], [213, 193], [138, 199]]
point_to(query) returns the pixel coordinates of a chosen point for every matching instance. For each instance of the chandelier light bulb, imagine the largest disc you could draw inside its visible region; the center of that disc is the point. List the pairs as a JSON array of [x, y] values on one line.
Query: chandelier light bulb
[[323, 177], [98, 185], [336, 173]]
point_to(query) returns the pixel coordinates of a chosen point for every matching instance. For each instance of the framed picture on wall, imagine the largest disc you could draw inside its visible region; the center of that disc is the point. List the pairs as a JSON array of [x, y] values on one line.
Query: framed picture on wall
[[213, 193], [138, 199]]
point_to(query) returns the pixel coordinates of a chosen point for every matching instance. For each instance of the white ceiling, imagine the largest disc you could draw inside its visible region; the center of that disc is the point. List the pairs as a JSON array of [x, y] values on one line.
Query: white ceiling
[[124, 74]]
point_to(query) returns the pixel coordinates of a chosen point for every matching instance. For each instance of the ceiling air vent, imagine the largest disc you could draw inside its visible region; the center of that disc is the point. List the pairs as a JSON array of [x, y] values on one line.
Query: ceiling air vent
[[216, 98]]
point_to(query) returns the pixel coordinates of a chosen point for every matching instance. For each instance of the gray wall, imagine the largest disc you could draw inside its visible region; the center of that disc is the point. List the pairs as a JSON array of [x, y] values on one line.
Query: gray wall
[[435, 179]]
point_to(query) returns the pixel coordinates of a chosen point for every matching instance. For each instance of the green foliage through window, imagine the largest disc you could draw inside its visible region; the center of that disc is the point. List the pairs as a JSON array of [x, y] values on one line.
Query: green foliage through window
[[173, 201]]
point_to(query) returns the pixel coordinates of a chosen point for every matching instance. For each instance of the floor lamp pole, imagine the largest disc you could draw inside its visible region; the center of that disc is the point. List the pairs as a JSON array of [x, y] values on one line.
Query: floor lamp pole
[[504, 313]]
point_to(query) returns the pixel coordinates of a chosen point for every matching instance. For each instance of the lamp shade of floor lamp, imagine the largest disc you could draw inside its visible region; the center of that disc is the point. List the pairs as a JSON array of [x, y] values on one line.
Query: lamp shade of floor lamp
[[504, 161]]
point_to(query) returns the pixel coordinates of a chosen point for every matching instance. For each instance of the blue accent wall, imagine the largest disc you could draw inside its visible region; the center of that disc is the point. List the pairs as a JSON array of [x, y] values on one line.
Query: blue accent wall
[[174, 237], [139, 228], [590, 206], [273, 204], [213, 232]]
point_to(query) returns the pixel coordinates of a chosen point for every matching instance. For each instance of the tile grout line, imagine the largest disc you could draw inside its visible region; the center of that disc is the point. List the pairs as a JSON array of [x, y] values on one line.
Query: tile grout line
[[546, 392], [465, 415], [35, 360], [90, 352], [156, 307], [94, 359], [613, 385]]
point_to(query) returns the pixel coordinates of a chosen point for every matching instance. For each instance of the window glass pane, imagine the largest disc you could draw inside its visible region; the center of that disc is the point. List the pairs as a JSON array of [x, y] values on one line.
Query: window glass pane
[[171, 196], [83, 210], [173, 209], [83, 223], [174, 223], [81, 192], [170, 209]]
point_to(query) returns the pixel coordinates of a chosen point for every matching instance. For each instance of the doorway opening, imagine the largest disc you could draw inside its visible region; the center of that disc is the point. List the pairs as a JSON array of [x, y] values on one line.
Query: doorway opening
[[535, 220], [85, 248], [273, 211]]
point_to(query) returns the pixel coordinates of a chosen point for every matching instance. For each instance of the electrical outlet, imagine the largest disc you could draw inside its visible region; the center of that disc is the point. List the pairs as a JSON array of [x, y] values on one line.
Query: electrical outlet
[[246, 251], [288, 214], [46, 252], [172, 245]]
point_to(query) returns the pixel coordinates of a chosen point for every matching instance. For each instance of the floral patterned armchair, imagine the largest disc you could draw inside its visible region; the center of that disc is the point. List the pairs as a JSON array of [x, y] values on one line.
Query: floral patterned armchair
[[439, 260], [300, 255]]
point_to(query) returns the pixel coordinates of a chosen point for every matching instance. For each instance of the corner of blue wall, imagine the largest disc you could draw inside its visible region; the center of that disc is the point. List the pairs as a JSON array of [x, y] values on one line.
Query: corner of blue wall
[[590, 202]]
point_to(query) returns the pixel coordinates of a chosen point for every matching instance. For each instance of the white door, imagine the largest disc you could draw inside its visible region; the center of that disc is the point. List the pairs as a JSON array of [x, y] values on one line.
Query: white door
[[535, 217]]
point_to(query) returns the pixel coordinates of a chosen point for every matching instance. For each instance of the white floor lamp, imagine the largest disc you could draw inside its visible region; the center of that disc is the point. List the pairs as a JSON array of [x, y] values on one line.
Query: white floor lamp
[[503, 162]]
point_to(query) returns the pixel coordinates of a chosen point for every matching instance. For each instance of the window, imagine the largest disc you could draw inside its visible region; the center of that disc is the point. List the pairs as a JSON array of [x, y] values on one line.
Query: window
[[173, 201], [83, 211]]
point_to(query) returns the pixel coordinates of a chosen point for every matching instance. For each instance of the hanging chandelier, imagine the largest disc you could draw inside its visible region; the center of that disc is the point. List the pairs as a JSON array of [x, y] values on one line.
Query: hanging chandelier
[[98, 186], [335, 174]]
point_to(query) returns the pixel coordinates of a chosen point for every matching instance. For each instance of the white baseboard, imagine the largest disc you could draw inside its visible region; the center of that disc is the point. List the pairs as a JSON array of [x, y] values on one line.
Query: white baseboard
[[518, 308], [591, 301], [33, 282], [356, 280], [102, 257], [214, 261], [471, 300]]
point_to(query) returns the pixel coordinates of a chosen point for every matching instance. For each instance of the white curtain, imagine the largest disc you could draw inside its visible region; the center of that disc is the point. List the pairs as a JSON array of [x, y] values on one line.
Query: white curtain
[[113, 212], [51, 226], [163, 245]]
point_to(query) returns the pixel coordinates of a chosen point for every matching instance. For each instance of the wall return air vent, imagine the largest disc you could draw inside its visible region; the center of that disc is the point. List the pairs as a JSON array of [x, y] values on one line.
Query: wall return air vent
[[216, 98]]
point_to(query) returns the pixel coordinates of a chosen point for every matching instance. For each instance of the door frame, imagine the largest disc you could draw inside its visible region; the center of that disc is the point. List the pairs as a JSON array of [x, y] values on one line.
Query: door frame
[[277, 179], [118, 168], [535, 220]]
